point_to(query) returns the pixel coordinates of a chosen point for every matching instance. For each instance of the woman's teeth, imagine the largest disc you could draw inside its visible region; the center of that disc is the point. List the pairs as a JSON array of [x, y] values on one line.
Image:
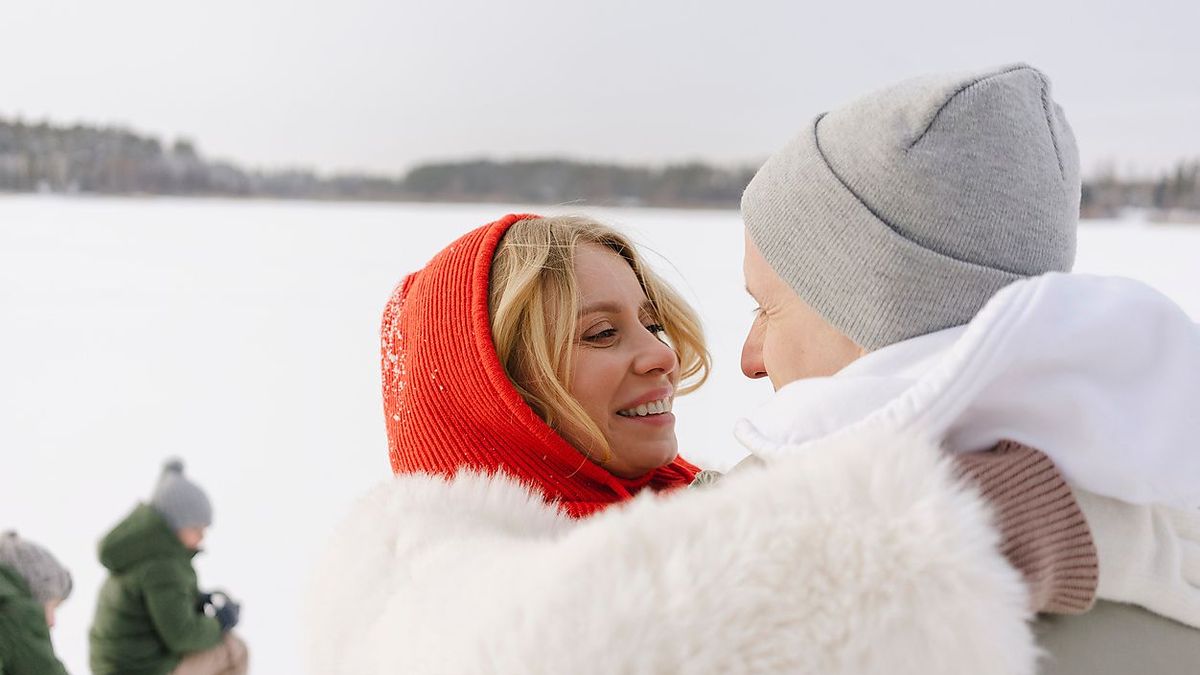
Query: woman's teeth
[[653, 408]]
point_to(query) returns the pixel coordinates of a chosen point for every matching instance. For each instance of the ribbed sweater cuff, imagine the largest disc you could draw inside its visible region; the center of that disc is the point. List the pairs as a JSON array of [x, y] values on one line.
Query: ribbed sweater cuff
[[1044, 533]]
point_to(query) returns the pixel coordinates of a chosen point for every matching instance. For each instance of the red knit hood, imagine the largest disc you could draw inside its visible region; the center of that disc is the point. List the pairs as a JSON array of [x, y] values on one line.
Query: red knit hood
[[449, 403]]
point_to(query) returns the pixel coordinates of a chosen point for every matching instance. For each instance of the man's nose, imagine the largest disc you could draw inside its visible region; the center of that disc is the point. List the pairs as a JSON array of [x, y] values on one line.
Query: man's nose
[[753, 366]]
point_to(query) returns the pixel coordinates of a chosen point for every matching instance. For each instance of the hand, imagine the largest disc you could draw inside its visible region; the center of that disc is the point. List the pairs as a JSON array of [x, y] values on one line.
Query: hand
[[1149, 555], [211, 598], [203, 600], [227, 615]]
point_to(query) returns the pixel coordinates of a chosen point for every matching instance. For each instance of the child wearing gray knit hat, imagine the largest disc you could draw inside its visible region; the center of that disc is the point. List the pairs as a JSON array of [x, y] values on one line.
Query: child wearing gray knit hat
[[152, 616], [48, 580], [32, 585], [180, 501]]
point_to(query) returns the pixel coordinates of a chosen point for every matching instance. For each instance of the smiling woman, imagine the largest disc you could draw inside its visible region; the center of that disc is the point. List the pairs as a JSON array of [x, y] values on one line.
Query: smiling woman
[[546, 350], [605, 380], [622, 374]]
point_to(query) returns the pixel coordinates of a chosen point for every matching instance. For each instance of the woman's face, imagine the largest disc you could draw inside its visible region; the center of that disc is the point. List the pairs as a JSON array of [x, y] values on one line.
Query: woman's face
[[622, 373]]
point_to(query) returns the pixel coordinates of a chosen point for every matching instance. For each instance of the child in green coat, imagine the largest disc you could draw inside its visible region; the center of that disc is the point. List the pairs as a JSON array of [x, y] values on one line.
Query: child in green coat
[[32, 585], [151, 618]]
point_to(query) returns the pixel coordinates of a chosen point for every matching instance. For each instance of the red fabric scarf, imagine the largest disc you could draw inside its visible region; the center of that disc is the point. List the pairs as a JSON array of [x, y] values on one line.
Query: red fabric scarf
[[449, 404]]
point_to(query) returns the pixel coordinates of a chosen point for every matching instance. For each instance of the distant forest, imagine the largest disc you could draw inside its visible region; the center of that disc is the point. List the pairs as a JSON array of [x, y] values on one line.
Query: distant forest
[[42, 157]]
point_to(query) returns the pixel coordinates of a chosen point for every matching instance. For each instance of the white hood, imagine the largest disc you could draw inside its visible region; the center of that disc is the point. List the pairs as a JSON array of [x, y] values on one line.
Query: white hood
[[1100, 373]]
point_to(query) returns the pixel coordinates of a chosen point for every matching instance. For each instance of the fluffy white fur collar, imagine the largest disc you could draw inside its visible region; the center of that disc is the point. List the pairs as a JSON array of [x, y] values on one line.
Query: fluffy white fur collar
[[859, 557]]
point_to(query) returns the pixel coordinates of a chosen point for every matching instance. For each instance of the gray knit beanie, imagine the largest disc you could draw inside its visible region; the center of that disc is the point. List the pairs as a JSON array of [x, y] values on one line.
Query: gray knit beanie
[[48, 580], [180, 502], [903, 212]]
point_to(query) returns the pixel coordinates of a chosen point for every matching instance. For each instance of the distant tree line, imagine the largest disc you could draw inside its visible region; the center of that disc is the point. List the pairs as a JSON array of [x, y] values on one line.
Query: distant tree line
[[551, 181], [1173, 195], [42, 157], [106, 160], [46, 158]]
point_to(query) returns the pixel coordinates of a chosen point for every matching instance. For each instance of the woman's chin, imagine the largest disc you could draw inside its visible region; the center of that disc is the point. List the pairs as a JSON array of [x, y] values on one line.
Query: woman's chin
[[637, 460]]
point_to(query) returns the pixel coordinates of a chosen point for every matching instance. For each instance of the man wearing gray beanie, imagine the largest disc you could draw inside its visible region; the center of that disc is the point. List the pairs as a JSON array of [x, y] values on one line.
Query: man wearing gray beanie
[[910, 253], [32, 585], [152, 618]]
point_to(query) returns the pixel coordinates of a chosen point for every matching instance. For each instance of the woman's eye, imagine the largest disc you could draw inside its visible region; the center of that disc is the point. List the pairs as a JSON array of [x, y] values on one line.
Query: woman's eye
[[605, 335], [658, 331]]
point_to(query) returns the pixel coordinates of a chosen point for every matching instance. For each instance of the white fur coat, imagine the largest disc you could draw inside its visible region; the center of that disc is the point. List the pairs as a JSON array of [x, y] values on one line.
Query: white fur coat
[[858, 558]]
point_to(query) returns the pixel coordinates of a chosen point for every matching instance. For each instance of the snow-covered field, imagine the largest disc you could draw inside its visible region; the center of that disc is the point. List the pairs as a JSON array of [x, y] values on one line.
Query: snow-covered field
[[242, 336]]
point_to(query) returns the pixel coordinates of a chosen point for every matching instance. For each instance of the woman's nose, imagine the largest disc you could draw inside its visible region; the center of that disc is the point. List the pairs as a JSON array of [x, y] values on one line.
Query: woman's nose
[[655, 355]]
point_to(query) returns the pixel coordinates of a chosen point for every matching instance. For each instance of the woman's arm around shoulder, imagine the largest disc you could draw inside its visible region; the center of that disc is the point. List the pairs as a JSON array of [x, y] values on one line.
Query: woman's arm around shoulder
[[863, 556]]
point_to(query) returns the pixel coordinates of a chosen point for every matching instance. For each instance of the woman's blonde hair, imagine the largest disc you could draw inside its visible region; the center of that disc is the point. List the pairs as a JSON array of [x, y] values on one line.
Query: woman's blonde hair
[[534, 301]]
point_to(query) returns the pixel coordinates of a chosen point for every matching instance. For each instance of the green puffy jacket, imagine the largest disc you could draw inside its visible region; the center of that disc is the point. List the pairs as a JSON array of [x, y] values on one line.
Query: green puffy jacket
[[147, 617], [25, 647]]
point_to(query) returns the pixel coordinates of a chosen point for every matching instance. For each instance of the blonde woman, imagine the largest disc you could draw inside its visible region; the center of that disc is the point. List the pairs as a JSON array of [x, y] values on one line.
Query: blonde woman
[[529, 373], [548, 361]]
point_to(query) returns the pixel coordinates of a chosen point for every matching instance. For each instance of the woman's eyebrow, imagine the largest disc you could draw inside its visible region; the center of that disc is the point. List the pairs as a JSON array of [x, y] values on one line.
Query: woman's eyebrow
[[612, 307], [597, 307]]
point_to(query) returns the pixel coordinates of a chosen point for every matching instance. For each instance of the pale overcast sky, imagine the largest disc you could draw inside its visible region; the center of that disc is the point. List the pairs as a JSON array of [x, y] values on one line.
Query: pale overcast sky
[[382, 84]]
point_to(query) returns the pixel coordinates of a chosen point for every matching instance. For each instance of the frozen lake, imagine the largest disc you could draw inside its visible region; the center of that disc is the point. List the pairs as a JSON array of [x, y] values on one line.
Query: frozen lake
[[242, 336]]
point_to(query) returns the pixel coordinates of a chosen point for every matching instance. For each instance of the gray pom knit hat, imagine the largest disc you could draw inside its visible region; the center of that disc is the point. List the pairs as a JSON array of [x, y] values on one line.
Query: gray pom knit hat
[[903, 212], [48, 580], [180, 502]]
